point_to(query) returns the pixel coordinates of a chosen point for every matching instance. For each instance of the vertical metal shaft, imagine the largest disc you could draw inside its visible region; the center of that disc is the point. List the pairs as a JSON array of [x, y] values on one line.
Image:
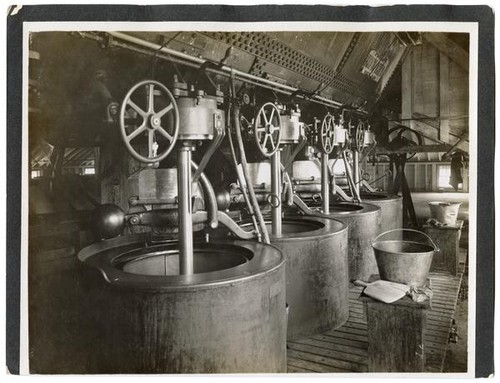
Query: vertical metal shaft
[[355, 170], [185, 212], [325, 186], [276, 192]]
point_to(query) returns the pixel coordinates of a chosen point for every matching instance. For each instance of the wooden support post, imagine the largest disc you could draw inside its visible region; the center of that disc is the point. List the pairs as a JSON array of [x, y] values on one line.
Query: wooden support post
[[408, 201], [444, 98], [407, 90], [396, 334]]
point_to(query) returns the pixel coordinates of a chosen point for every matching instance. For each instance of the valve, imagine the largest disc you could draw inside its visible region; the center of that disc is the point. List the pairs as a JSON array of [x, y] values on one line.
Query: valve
[[153, 121], [327, 136], [359, 137], [267, 129]]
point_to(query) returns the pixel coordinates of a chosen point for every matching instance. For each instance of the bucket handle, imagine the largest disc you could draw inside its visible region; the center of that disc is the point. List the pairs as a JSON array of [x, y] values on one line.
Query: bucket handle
[[416, 231]]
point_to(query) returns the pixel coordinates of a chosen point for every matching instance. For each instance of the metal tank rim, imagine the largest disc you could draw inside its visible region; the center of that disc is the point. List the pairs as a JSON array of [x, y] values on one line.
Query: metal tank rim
[[380, 197], [324, 227], [366, 209], [101, 256]]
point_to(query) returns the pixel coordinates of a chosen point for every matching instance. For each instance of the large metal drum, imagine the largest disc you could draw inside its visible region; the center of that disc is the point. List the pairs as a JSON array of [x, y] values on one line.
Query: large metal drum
[[228, 317], [391, 208], [316, 274], [364, 226]]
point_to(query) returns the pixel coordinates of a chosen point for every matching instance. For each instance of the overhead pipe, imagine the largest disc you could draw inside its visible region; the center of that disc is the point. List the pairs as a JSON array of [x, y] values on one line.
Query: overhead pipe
[[222, 70]]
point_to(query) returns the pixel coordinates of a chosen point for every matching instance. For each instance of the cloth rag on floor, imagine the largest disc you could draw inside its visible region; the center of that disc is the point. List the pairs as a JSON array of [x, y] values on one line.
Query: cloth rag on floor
[[435, 222], [420, 294]]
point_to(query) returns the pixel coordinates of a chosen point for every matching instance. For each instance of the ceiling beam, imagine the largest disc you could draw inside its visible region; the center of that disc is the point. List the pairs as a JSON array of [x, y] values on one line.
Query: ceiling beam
[[439, 148], [432, 134], [449, 48]]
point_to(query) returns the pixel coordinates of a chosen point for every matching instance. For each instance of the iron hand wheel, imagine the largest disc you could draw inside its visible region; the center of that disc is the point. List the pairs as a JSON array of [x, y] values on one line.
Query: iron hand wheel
[[151, 120], [267, 129], [327, 136], [360, 136]]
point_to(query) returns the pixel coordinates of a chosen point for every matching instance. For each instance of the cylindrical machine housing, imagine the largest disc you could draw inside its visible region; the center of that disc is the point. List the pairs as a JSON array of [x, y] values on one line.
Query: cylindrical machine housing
[[364, 226], [316, 274], [391, 208], [198, 117], [227, 317], [290, 128]]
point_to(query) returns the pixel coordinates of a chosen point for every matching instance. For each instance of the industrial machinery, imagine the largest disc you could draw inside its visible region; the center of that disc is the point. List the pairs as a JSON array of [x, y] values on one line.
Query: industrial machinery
[[171, 302], [187, 240], [233, 207], [314, 176], [353, 185], [315, 249]]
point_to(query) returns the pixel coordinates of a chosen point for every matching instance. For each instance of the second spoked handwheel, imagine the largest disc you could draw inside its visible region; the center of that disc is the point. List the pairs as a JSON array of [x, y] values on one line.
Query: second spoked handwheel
[[149, 111], [267, 129], [327, 134]]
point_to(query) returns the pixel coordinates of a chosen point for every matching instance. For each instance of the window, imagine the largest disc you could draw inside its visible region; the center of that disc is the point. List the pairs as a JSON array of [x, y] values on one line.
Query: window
[[89, 171], [444, 172], [443, 181], [36, 173]]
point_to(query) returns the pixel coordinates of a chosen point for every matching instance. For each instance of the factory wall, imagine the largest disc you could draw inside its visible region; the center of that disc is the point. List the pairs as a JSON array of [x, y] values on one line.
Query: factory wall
[[421, 177], [434, 95], [434, 102]]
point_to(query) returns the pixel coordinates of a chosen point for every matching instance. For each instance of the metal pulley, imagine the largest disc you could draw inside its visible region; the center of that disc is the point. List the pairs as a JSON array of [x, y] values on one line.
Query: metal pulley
[[267, 129], [149, 108]]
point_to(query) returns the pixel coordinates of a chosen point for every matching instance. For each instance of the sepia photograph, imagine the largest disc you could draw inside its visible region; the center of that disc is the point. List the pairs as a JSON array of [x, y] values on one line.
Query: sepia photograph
[[249, 198]]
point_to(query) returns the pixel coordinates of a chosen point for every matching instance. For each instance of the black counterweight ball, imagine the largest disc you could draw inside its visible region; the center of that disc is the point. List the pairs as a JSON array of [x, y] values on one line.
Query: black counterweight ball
[[108, 221]]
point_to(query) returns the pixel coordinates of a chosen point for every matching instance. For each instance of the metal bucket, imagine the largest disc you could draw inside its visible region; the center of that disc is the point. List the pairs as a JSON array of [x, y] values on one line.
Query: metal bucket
[[404, 261], [445, 212]]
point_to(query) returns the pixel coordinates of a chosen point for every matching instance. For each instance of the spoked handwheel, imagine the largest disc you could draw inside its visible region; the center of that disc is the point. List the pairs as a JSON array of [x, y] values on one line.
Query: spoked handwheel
[[327, 134], [360, 136], [141, 114], [267, 129]]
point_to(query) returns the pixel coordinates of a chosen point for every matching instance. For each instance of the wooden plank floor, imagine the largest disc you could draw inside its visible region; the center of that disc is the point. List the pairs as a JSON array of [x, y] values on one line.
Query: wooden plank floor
[[346, 348]]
